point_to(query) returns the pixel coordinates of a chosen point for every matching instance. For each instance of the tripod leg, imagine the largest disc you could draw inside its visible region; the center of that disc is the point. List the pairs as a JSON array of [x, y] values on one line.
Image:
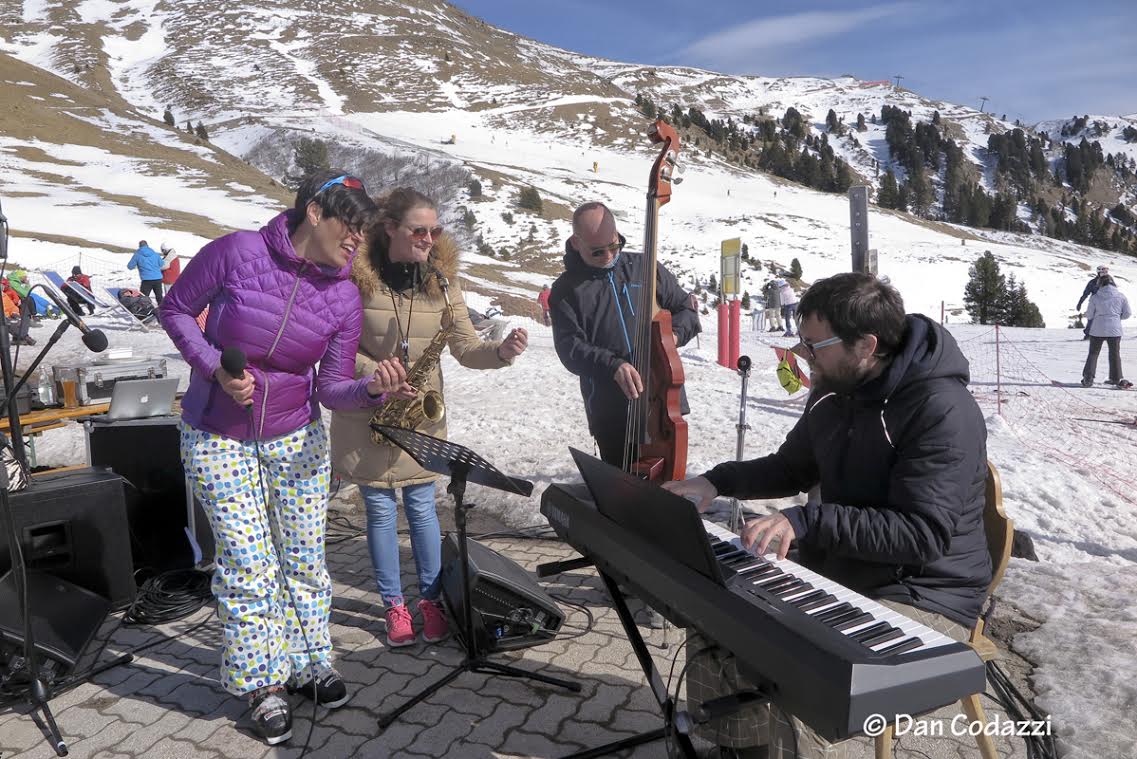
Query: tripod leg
[[612, 748], [386, 720], [489, 667], [47, 725]]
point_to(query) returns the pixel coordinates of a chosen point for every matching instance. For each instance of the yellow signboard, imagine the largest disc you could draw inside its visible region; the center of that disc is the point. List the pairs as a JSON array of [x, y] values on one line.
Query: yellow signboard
[[731, 259]]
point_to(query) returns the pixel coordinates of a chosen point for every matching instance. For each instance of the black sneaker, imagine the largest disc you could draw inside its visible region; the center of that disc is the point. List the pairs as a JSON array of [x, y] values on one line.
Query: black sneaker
[[1087, 383], [326, 687], [272, 716]]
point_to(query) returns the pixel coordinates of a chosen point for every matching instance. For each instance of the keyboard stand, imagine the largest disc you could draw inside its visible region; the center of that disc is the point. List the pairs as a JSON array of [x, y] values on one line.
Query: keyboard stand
[[674, 723]]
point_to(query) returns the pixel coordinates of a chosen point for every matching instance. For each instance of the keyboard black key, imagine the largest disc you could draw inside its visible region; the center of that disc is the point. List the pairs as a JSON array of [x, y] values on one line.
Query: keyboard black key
[[908, 644], [856, 621], [839, 610], [862, 635], [797, 587], [785, 581], [888, 635], [813, 603]]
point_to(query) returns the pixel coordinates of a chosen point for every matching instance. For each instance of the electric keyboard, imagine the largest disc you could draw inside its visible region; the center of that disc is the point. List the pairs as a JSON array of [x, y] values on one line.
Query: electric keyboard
[[824, 653]]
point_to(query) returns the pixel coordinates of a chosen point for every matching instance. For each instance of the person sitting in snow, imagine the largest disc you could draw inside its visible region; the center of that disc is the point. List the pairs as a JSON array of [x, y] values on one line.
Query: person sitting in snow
[[73, 299], [897, 445], [17, 314]]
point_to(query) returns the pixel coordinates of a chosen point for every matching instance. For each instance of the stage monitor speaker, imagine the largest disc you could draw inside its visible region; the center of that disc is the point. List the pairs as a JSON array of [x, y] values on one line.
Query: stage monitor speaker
[[160, 506], [73, 525], [65, 618], [511, 610]]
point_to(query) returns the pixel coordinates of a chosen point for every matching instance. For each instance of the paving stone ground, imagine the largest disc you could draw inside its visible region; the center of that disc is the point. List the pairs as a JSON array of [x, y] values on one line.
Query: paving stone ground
[[167, 703]]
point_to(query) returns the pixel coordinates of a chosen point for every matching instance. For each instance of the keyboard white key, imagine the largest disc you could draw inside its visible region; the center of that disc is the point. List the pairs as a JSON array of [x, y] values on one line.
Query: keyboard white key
[[929, 638]]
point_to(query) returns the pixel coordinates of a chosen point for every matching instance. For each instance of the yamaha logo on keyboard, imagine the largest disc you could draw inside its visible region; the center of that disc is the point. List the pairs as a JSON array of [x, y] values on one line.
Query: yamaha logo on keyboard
[[557, 516]]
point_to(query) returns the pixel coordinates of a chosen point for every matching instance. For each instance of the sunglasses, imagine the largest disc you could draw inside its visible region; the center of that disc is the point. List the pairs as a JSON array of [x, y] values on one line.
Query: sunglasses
[[615, 247], [812, 348], [420, 233], [349, 182]]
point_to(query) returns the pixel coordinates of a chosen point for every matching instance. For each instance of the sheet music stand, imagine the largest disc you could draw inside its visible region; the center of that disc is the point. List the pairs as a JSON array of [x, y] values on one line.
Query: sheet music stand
[[463, 465]]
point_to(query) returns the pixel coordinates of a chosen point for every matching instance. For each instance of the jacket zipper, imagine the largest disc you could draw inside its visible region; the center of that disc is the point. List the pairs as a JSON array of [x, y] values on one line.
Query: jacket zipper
[[619, 312], [271, 350]]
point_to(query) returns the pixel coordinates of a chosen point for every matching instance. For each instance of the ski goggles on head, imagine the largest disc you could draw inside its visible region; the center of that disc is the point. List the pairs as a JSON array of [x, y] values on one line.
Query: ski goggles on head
[[349, 182]]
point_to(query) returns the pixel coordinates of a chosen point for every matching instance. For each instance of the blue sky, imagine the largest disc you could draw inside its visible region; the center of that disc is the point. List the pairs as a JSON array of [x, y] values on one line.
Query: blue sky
[[1034, 60]]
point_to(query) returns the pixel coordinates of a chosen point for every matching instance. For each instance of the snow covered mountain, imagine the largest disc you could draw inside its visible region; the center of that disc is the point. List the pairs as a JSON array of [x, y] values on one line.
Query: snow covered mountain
[[425, 79]]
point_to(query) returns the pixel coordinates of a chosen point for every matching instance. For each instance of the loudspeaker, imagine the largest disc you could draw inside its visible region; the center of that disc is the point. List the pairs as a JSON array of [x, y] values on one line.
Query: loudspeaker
[[160, 506], [73, 525], [65, 618], [511, 610]]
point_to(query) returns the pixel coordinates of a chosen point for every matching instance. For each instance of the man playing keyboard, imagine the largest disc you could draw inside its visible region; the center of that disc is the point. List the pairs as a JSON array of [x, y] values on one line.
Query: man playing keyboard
[[897, 445]]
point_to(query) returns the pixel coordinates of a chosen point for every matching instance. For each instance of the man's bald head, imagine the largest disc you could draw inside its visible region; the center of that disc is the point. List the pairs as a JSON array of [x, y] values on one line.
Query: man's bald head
[[594, 234]]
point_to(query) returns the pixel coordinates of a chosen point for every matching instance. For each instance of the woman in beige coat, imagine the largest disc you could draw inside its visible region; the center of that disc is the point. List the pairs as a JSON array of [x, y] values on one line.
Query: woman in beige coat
[[404, 306]]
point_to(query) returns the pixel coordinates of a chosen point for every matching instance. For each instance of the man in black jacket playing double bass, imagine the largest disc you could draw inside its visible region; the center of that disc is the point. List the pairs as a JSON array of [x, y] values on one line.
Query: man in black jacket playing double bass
[[897, 445], [593, 310]]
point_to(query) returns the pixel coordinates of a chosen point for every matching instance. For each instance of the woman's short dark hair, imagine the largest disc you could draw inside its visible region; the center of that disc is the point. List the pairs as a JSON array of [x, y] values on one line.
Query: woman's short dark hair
[[350, 205], [856, 305]]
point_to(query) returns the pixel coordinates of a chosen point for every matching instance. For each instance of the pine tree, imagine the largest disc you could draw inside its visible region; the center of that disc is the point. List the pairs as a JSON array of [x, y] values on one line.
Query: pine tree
[[795, 269], [713, 284], [200, 131], [168, 117], [531, 199], [985, 293], [310, 156], [745, 300], [861, 126], [887, 196]]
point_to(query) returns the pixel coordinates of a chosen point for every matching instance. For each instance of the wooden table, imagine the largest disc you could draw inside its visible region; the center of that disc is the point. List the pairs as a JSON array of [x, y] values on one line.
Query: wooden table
[[34, 420], [35, 423]]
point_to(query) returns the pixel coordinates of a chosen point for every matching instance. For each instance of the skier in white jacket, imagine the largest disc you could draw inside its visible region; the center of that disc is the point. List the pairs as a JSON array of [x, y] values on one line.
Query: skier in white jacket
[[1108, 307]]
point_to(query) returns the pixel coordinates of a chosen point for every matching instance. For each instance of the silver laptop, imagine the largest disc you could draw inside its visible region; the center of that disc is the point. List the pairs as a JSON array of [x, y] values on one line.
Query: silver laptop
[[138, 399]]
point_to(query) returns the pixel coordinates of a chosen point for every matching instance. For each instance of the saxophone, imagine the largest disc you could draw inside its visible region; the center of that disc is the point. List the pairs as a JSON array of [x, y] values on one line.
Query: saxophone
[[426, 406]]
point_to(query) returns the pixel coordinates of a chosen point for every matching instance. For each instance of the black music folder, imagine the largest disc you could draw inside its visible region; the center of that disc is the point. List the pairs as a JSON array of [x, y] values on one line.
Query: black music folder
[[661, 517]]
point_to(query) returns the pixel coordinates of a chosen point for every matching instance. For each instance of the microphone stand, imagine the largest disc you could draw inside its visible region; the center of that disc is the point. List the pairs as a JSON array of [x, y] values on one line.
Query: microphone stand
[[37, 691], [742, 426]]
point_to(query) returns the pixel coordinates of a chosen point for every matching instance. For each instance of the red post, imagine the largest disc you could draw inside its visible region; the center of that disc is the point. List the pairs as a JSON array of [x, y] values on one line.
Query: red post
[[735, 318], [941, 312], [724, 335], [998, 376]]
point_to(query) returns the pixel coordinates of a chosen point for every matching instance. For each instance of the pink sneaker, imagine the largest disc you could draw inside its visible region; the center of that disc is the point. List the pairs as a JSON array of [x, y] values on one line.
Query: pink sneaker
[[399, 630], [434, 624]]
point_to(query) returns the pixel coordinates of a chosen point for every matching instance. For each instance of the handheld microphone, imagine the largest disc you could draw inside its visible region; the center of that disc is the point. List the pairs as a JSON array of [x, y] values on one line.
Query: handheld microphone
[[234, 361], [94, 339]]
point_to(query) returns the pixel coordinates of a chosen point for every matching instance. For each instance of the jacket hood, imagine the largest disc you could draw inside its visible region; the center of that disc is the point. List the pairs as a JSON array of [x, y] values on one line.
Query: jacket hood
[[927, 352], [275, 234], [575, 264], [443, 258]]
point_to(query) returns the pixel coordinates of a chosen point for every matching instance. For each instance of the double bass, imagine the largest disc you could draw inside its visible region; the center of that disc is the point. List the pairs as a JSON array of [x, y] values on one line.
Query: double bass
[[655, 438]]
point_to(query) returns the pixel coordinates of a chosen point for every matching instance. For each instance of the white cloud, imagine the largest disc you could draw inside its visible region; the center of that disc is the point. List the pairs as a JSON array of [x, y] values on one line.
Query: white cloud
[[755, 40]]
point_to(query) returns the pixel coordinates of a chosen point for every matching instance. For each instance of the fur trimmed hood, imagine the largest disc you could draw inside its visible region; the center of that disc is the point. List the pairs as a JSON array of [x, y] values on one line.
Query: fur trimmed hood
[[443, 257]]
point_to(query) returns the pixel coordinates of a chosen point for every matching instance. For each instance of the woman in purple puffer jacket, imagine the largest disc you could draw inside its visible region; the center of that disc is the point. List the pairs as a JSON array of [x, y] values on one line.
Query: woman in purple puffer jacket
[[254, 445]]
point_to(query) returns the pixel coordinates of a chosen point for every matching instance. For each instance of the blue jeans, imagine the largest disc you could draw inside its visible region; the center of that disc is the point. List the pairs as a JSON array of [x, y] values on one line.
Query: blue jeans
[[383, 538]]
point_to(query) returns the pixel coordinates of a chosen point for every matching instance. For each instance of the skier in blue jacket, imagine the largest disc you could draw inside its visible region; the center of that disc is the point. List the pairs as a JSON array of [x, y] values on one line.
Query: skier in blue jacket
[[149, 265]]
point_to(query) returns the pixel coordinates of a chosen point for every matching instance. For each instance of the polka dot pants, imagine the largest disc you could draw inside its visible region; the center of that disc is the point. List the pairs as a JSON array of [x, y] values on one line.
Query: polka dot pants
[[263, 642]]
